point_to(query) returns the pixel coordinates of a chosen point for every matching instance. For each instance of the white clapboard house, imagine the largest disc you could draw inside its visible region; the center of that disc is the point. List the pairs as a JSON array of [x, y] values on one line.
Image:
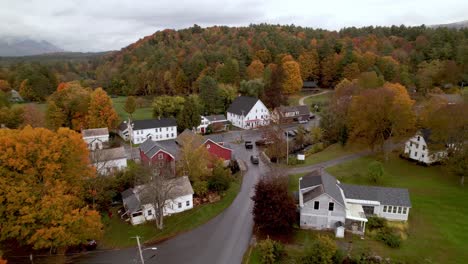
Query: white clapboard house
[[138, 131], [248, 112], [96, 138], [422, 148], [139, 207]]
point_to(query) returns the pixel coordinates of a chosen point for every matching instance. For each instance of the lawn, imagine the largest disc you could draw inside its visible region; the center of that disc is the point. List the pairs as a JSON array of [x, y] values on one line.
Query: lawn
[[438, 231], [331, 152], [319, 99], [118, 234], [139, 114]]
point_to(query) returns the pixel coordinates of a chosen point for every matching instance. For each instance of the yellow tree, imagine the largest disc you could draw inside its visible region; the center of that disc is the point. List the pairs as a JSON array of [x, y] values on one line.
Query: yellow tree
[[329, 69], [194, 158], [101, 112], [292, 82], [351, 71], [309, 62], [42, 186], [255, 70], [378, 115]]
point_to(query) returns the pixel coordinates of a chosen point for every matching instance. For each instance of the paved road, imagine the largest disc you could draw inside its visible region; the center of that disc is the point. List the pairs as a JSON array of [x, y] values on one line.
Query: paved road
[[223, 239]]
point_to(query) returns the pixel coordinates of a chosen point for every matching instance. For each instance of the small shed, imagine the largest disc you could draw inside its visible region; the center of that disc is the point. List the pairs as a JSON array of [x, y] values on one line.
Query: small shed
[[339, 230], [301, 156]]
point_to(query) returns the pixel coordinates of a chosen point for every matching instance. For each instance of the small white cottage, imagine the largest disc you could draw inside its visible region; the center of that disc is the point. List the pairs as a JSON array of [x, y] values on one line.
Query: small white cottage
[[108, 161], [423, 149], [96, 138], [138, 206], [248, 112]]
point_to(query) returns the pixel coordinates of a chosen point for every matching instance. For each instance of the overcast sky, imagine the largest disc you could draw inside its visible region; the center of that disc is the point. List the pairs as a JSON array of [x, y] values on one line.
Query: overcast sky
[[99, 25]]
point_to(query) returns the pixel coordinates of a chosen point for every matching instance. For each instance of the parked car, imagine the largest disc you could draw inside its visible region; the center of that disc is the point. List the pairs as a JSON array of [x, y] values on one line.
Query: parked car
[[248, 145], [263, 142], [254, 159], [311, 116], [303, 121]]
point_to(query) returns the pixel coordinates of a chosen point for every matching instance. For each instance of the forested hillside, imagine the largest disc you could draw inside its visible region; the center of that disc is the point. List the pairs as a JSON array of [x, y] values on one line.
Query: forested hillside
[[280, 57]]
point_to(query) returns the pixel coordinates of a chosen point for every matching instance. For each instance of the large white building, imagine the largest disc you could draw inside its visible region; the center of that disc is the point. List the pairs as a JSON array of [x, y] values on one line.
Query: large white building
[[325, 203], [96, 138], [417, 148], [248, 112], [218, 123], [139, 208], [138, 131]]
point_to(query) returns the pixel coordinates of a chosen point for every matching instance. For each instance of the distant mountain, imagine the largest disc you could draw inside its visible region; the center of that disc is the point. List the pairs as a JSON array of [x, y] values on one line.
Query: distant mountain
[[456, 25], [12, 47]]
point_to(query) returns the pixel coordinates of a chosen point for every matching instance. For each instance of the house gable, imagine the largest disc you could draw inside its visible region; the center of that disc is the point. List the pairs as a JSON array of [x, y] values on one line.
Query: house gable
[[218, 150]]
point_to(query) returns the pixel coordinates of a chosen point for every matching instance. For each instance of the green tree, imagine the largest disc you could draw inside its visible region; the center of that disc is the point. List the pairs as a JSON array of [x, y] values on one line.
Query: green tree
[[210, 95], [229, 72], [457, 162], [375, 171], [253, 88], [321, 251], [130, 105], [167, 106], [189, 117], [4, 102]]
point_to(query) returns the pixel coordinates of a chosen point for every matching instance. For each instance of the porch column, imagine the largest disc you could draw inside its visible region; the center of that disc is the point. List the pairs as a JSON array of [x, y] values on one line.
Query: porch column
[[364, 228]]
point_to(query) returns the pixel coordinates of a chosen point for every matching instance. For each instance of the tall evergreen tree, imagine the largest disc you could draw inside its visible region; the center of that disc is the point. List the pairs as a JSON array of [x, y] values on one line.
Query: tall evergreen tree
[[210, 95], [189, 117]]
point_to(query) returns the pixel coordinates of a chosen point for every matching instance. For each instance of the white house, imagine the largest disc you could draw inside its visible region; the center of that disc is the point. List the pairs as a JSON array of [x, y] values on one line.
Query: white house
[[140, 130], [139, 208], [107, 161], [96, 138], [213, 120], [248, 112], [325, 203], [417, 148]]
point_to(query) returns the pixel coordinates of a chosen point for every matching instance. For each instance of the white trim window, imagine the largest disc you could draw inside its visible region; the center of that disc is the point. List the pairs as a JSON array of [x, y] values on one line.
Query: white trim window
[[331, 206]]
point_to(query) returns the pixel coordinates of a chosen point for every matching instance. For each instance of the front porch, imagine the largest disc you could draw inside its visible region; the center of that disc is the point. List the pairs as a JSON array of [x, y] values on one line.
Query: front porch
[[355, 219]]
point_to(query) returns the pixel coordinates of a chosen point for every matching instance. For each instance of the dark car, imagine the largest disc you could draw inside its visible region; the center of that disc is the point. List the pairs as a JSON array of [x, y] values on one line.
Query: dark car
[[289, 134], [254, 159], [248, 145], [90, 245]]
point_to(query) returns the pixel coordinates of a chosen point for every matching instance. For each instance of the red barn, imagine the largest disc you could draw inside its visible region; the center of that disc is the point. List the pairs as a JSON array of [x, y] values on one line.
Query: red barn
[[153, 153], [218, 150]]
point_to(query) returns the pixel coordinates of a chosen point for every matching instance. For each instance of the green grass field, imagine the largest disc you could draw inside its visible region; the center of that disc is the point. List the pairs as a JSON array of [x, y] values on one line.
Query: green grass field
[[118, 234], [438, 230], [319, 99], [331, 152], [139, 114]]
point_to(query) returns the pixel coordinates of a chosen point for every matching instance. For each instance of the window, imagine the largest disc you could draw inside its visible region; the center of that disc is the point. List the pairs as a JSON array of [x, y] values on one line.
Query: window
[[172, 134], [411, 144], [137, 214], [316, 205], [160, 156], [394, 209], [422, 156], [415, 154], [331, 206], [187, 203], [424, 147], [180, 205], [150, 212], [167, 129], [167, 135], [399, 209], [161, 164], [419, 138], [404, 210], [389, 209], [385, 209]]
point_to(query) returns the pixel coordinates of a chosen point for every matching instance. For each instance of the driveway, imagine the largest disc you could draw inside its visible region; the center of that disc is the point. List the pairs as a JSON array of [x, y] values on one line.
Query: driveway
[[301, 100]]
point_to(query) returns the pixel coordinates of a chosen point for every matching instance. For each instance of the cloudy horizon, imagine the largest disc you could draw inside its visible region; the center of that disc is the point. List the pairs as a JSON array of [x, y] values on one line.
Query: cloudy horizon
[[113, 24]]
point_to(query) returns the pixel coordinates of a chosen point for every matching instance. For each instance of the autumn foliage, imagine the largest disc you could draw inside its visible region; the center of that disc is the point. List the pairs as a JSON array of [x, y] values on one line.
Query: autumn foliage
[[41, 188], [101, 112]]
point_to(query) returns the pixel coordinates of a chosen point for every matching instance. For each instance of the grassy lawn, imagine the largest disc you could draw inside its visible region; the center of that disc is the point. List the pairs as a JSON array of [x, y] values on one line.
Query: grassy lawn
[[438, 231], [139, 114], [331, 152], [118, 233], [319, 99], [294, 98]]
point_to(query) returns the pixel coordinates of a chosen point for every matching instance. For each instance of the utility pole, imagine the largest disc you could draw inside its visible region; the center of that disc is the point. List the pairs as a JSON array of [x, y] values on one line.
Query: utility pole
[[287, 149], [139, 250]]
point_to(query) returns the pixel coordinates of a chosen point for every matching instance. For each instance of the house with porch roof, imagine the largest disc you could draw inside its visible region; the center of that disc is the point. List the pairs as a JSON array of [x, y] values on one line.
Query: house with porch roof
[[217, 122], [325, 203]]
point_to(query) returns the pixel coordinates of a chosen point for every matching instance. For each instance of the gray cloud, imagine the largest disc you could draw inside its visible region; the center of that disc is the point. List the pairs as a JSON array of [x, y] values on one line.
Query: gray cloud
[[97, 25]]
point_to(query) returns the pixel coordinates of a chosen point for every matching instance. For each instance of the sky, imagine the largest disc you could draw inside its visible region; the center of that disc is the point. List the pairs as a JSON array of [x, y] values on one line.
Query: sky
[[101, 25]]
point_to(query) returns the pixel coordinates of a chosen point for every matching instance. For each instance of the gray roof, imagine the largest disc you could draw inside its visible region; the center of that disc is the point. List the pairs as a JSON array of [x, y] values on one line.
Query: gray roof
[[311, 194], [134, 198], [242, 105], [100, 155], [216, 118], [302, 109], [218, 138], [385, 195], [95, 132], [153, 123], [123, 126], [324, 179], [150, 147]]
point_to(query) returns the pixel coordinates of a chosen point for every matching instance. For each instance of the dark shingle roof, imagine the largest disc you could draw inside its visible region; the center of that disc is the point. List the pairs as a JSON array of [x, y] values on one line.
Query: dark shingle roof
[[327, 181], [150, 147], [218, 138], [213, 118], [242, 105], [311, 194], [385, 195], [122, 126], [426, 134], [153, 123]]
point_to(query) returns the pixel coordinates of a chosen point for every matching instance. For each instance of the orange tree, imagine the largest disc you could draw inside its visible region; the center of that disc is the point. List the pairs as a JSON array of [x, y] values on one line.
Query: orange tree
[[42, 175]]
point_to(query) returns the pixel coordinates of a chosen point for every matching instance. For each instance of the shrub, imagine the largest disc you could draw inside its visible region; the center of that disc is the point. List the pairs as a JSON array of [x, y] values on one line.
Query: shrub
[[389, 237], [234, 166], [270, 251], [200, 188], [220, 180], [375, 222], [315, 148], [321, 251]]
